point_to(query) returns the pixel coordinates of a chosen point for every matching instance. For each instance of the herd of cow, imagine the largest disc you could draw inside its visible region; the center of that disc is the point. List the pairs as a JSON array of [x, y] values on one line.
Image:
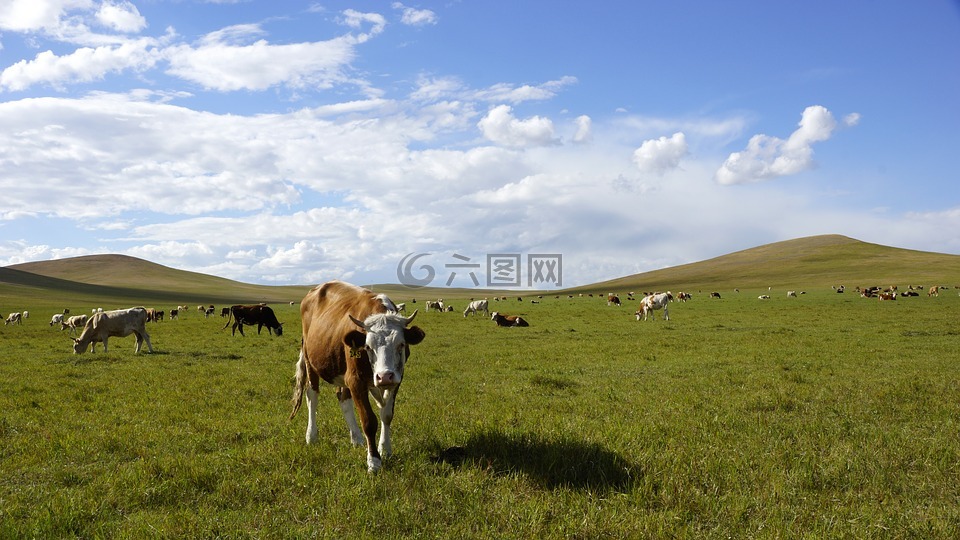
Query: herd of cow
[[353, 339]]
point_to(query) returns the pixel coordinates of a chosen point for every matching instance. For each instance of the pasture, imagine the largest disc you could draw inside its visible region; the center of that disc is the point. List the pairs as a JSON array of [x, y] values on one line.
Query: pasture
[[826, 415]]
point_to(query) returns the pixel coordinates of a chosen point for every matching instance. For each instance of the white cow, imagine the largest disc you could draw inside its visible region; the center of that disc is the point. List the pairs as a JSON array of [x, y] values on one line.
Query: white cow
[[653, 302], [56, 319], [13, 318], [117, 323], [476, 307]]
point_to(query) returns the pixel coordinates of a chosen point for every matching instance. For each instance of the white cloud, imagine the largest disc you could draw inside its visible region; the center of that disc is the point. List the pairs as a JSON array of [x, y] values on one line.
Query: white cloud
[[83, 65], [501, 127], [769, 157], [220, 65], [121, 16], [661, 155], [34, 15], [583, 134], [415, 17]]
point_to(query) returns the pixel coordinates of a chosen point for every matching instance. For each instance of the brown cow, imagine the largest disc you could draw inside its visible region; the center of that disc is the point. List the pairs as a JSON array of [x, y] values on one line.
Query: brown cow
[[355, 340]]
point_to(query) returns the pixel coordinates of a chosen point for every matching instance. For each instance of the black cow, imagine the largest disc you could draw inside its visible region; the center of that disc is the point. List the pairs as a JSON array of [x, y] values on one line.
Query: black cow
[[258, 314]]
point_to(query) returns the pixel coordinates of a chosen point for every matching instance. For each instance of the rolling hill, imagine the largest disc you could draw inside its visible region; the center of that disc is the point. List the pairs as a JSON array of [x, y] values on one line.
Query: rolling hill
[[817, 261]]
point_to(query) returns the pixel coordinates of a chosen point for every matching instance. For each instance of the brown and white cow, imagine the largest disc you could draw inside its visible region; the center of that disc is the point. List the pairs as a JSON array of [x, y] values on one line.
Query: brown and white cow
[[613, 299], [355, 340], [653, 302], [250, 315], [508, 320], [117, 323], [73, 322]]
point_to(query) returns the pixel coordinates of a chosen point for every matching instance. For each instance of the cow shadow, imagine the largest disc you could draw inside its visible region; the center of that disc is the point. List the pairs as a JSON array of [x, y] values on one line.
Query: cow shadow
[[563, 463]]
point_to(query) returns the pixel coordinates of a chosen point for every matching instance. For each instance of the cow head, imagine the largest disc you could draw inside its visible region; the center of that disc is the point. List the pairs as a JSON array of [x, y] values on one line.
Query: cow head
[[386, 340]]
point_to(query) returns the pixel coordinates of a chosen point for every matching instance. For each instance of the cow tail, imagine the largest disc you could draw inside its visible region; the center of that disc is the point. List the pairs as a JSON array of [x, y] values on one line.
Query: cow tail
[[301, 381], [229, 318]]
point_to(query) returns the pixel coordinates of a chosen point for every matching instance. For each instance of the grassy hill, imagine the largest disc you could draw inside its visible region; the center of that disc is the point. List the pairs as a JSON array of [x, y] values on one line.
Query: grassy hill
[[818, 261], [96, 278], [811, 262]]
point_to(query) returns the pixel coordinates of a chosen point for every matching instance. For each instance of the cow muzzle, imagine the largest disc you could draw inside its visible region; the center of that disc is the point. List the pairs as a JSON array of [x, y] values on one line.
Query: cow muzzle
[[386, 379]]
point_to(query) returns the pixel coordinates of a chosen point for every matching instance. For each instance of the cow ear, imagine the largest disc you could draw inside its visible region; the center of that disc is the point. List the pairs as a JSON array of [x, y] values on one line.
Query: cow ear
[[413, 335], [355, 339]]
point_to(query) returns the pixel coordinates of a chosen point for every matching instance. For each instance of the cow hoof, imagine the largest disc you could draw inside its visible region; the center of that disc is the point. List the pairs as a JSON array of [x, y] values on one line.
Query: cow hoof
[[373, 464], [311, 437]]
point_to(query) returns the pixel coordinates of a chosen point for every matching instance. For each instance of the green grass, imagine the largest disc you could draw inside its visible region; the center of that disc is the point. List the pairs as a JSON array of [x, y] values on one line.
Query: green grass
[[821, 416]]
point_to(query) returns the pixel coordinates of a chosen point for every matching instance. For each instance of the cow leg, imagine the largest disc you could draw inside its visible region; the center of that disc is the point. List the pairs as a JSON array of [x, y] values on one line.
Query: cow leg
[[349, 415], [141, 337], [311, 414], [386, 401], [666, 316], [368, 421]]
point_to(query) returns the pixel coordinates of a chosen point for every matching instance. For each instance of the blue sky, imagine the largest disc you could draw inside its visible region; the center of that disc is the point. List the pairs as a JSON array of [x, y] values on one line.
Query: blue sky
[[296, 142]]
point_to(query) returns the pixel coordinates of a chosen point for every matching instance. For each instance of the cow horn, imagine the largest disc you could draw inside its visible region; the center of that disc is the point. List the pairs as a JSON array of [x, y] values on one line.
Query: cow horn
[[410, 318], [356, 321]]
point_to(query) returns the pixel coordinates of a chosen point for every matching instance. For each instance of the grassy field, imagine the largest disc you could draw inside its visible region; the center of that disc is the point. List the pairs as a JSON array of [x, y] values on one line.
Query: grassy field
[[822, 416]]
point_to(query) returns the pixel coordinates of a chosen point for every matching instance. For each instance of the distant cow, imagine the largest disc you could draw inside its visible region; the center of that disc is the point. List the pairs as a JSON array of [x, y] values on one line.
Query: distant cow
[[73, 322], [476, 307], [934, 291], [117, 323], [508, 320], [613, 299], [208, 312], [13, 318], [791, 294], [763, 297], [224, 312], [250, 315], [714, 295], [887, 296], [683, 296], [354, 340], [56, 319], [174, 314], [653, 302], [438, 305]]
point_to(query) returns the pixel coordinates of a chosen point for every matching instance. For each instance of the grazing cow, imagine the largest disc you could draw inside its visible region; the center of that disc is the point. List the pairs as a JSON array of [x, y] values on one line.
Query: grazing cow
[[683, 296], [151, 314], [158, 316], [13, 318], [174, 314], [259, 315], [653, 302], [791, 294], [714, 295], [208, 312], [476, 307], [934, 291], [613, 299], [224, 312], [887, 296], [73, 323], [116, 323], [508, 320], [56, 319], [438, 305], [25, 314], [354, 340]]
